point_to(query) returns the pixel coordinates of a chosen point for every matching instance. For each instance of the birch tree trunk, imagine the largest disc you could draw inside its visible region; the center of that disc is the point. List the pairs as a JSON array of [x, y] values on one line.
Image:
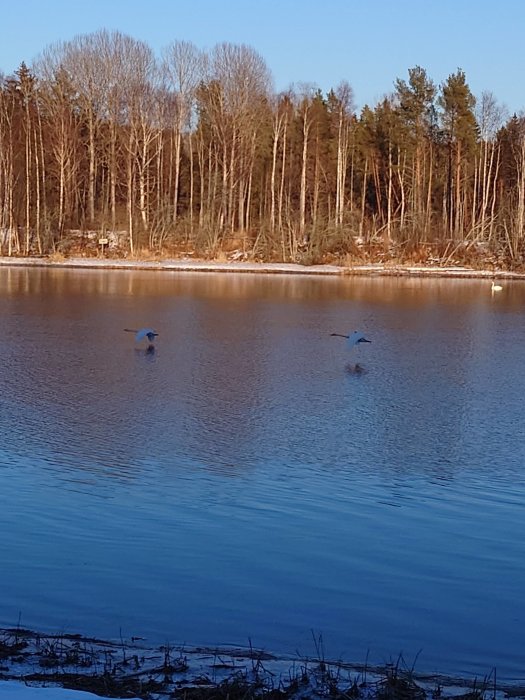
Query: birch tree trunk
[[306, 124]]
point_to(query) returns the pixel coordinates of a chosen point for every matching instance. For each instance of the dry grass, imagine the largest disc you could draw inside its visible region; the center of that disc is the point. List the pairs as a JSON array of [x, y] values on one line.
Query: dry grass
[[124, 670], [57, 257], [341, 248]]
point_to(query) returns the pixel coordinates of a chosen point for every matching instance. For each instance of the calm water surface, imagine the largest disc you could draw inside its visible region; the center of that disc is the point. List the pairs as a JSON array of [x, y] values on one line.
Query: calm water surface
[[241, 483]]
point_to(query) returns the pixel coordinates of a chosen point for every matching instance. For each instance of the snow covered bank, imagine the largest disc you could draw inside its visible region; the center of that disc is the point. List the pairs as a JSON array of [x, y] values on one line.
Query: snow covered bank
[[36, 666], [19, 691], [190, 265]]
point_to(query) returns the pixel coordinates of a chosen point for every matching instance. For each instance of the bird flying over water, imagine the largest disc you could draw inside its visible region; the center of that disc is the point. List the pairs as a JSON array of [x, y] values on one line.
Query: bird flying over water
[[353, 338], [142, 333]]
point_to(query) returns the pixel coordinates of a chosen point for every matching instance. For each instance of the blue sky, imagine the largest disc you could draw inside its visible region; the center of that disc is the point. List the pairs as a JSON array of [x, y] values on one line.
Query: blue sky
[[369, 44]]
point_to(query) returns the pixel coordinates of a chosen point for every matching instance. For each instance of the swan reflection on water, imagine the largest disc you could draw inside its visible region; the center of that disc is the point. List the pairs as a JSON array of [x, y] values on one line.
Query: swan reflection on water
[[147, 352], [356, 369]]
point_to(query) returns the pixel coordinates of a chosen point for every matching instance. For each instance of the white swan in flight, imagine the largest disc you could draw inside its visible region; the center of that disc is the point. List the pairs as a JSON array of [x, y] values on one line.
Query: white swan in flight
[[142, 333], [353, 338]]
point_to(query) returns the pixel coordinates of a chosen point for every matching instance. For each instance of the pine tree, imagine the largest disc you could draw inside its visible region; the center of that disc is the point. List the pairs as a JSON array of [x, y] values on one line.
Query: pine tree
[[460, 131]]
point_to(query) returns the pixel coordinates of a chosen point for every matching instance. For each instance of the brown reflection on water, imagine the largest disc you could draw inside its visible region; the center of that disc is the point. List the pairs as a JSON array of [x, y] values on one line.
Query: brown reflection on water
[[244, 367], [243, 469], [405, 291]]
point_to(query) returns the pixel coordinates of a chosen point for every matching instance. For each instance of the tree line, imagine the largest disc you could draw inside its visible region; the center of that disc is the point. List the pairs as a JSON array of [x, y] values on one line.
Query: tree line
[[196, 149]]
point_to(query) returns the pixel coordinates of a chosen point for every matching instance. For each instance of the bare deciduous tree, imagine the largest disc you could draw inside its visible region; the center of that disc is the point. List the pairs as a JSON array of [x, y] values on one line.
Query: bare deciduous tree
[[183, 68]]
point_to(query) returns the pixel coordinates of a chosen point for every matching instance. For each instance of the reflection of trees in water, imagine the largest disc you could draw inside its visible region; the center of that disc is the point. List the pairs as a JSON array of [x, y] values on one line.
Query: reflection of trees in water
[[242, 365], [409, 292]]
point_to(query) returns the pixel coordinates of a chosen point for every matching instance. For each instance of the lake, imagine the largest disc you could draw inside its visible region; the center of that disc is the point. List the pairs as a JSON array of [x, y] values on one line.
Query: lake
[[244, 483]]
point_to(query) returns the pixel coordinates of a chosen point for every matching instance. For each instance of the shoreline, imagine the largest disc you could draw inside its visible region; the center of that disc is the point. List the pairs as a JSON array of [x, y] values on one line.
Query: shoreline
[[190, 265], [132, 668]]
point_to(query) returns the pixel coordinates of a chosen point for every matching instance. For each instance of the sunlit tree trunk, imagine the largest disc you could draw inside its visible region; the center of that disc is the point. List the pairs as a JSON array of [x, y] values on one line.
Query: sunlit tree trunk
[[130, 188], [282, 182], [278, 129], [363, 199], [345, 98], [518, 233], [306, 124], [7, 171], [38, 193], [183, 68], [192, 180]]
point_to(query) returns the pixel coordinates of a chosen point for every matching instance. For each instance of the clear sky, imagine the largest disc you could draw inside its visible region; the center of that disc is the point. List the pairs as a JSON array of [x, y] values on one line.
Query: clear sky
[[369, 43]]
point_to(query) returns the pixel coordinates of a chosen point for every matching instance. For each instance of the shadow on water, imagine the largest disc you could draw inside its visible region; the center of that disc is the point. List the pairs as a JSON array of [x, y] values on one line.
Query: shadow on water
[[356, 369], [148, 352]]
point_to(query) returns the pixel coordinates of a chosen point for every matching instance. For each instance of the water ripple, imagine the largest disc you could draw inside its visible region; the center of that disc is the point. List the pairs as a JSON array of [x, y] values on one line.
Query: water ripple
[[240, 482]]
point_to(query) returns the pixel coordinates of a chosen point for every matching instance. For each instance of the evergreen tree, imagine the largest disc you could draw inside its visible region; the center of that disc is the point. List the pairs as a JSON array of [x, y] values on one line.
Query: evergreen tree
[[460, 131]]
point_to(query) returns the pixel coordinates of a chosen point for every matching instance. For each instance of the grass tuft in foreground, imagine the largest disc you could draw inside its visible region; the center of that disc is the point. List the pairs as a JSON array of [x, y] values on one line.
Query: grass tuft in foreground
[[129, 669]]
